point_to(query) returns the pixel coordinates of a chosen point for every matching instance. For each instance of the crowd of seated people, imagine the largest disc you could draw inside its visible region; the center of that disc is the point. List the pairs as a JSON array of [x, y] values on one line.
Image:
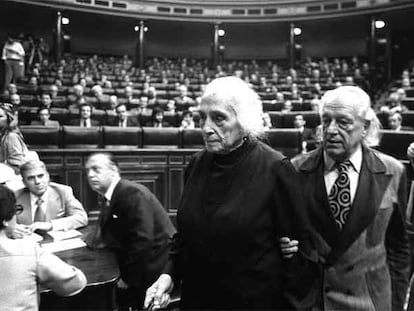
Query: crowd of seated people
[[113, 89]]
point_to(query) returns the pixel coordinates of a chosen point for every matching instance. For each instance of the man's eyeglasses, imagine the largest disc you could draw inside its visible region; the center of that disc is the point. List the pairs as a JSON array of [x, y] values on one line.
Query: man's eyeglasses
[[18, 209]]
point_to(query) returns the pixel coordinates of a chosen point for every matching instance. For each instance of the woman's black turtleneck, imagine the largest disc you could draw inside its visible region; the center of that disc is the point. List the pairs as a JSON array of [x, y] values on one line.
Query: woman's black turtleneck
[[223, 170]]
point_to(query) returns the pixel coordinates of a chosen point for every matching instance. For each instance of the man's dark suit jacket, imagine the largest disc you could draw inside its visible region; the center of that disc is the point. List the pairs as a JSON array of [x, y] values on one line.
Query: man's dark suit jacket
[[366, 265], [131, 121], [309, 136], [76, 122], [138, 229]]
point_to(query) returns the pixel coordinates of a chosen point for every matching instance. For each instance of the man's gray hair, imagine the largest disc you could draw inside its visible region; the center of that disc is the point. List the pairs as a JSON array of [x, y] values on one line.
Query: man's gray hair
[[242, 99], [362, 106], [32, 164]]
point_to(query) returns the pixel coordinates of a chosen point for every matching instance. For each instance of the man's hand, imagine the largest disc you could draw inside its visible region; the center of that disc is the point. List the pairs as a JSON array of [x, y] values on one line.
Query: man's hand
[[158, 295], [41, 225], [288, 247], [20, 231], [121, 284]]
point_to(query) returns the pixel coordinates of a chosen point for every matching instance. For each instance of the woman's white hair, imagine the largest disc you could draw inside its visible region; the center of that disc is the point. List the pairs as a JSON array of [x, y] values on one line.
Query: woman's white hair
[[240, 97], [361, 103]]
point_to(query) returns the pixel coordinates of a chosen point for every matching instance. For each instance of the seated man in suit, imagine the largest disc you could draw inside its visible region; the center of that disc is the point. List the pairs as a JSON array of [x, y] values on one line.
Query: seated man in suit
[[44, 118], [122, 119], [308, 137], [85, 120], [46, 205], [395, 123], [134, 224]]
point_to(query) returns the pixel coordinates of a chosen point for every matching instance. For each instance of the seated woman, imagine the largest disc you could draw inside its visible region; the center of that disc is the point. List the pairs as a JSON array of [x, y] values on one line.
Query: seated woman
[[13, 150], [25, 265]]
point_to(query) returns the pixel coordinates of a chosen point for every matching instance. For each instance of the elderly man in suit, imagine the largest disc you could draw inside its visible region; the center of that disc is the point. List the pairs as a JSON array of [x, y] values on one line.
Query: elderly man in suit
[[356, 200], [47, 205], [134, 224]]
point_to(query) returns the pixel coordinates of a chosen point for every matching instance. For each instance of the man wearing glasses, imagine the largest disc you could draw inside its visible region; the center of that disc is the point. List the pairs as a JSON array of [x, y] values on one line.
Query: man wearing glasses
[[46, 205], [356, 201]]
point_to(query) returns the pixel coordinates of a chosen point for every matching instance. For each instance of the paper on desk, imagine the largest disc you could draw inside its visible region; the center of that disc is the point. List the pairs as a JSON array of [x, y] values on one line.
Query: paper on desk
[[63, 245], [34, 236], [64, 235]]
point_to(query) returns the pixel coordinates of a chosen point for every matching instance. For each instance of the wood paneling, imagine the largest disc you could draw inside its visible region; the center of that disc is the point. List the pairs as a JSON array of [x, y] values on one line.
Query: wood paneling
[[161, 171]]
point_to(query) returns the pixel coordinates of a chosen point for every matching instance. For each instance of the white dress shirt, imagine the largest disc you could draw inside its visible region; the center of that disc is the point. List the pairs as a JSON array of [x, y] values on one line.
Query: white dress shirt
[[331, 173], [111, 188]]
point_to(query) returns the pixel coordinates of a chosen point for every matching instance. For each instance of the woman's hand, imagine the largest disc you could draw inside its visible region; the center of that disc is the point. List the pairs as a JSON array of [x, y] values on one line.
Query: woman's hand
[[288, 247], [410, 153], [158, 295]]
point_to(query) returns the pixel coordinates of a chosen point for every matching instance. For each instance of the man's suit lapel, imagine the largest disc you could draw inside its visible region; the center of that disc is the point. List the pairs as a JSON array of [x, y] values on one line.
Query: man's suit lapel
[[54, 203], [371, 187], [313, 168]]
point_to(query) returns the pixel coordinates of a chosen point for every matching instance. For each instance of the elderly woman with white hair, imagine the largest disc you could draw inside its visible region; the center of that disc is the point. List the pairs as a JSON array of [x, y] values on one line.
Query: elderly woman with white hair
[[240, 195]]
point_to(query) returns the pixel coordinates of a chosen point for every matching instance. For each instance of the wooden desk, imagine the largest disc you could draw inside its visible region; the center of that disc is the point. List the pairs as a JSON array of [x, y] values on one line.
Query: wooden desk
[[101, 270]]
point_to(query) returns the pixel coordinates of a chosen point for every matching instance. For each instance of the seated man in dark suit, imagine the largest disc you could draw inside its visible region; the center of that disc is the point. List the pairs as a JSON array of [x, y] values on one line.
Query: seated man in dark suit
[[395, 123], [122, 119], [308, 136], [85, 120], [46, 205], [134, 224], [44, 118]]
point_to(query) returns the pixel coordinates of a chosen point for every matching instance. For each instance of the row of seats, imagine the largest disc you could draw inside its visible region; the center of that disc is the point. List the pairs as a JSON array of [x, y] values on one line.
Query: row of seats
[[286, 140]]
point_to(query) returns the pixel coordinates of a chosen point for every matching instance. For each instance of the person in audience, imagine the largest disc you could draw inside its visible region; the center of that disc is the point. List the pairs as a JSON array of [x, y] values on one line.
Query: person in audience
[[85, 120], [287, 106], [13, 150], [46, 100], [130, 101], [225, 255], [13, 57], [393, 104], [99, 99], [183, 101], [16, 101], [308, 137], [46, 205], [157, 118], [134, 224], [75, 99], [395, 123], [122, 118], [356, 199], [267, 121], [187, 122], [43, 114], [25, 266]]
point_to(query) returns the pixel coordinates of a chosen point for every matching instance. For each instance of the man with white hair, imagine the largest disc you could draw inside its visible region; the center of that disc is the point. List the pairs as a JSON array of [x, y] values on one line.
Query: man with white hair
[[356, 200]]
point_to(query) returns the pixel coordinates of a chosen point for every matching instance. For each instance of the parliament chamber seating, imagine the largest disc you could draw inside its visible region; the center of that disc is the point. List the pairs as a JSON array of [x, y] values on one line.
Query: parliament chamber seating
[[396, 143], [287, 141], [122, 138], [192, 138], [38, 137], [81, 137], [168, 137]]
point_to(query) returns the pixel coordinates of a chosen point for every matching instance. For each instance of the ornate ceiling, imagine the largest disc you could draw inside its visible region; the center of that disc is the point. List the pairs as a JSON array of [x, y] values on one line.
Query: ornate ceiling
[[228, 10]]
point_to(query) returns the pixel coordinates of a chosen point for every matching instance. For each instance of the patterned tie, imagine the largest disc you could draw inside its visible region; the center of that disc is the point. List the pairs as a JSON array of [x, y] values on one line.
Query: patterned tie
[[40, 214], [340, 195]]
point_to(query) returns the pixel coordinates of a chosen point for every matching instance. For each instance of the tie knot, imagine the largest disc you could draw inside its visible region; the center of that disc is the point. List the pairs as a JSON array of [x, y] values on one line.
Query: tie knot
[[343, 166], [39, 201]]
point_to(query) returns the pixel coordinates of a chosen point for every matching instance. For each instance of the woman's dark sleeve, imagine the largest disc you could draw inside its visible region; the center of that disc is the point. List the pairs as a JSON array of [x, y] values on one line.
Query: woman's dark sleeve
[[300, 271], [173, 266]]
